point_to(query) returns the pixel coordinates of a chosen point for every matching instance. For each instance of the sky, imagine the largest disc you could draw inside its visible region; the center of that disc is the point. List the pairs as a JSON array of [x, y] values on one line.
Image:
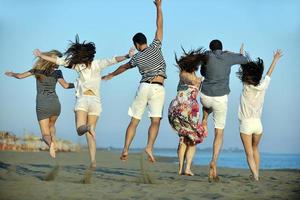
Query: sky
[[263, 26]]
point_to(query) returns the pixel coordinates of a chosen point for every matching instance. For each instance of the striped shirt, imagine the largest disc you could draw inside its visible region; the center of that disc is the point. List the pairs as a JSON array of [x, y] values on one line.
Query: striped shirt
[[150, 62]]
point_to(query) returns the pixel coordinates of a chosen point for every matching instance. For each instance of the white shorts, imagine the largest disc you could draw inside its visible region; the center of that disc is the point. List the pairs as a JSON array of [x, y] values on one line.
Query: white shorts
[[218, 106], [151, 95], [89, 104], [251, 126]]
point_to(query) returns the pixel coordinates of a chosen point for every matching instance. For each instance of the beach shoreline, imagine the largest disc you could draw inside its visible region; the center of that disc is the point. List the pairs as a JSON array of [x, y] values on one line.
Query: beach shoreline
[[23, 174]]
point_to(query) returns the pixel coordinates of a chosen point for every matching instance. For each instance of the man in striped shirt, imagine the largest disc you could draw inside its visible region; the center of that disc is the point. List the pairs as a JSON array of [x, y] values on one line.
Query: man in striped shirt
[[151, 92]]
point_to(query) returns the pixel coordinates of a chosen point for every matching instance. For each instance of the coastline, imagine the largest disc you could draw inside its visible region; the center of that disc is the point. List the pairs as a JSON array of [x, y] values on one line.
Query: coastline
[[22, 176]]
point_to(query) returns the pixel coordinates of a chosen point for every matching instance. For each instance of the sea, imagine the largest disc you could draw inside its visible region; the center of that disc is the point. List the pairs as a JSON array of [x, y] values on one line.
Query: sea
[[237, 159]]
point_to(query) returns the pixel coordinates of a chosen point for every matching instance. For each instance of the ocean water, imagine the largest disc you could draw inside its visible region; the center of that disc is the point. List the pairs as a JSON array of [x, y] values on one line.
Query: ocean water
[[238, 159]]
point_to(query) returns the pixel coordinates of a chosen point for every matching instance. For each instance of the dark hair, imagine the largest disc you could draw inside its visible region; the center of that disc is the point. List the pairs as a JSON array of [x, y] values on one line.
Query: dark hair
[[139, 38], [191, 60], [215, 45], [80, 53], [251, 72]]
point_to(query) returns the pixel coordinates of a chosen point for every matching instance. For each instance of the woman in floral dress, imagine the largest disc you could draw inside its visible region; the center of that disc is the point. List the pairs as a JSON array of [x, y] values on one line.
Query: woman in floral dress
[[184, 109]]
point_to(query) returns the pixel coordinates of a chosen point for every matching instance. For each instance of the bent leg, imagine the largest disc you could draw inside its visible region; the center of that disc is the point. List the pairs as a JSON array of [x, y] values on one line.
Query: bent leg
[[91, 121], [130, 133], [247, 142], [206, 112], [152, 134], [44, 126], [52, 121], [81, 122]]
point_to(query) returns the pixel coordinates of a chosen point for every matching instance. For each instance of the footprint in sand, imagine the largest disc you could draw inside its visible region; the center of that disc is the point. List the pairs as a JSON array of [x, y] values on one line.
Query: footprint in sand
[[87, 177], [52, 174], [145, 176]]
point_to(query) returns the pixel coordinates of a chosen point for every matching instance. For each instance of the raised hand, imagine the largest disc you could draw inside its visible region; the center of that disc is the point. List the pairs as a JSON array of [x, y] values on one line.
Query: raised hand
[[131, 52], [242, 51], [157, 3], [10, 74], [37, 53], [278, 54]]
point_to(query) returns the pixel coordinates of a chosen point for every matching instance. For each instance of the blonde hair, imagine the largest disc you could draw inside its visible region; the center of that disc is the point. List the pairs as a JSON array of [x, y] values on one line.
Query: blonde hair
[[46, 66]]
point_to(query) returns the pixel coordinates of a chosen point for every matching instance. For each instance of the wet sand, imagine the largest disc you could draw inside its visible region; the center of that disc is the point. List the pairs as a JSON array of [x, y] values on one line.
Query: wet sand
[[37, 176]]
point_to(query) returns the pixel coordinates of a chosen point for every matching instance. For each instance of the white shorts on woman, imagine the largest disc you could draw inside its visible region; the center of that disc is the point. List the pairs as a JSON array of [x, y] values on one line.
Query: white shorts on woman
[[251, 126]]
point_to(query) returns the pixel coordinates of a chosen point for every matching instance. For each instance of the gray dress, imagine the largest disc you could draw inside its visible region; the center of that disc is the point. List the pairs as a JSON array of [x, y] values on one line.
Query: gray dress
[[47, 102]]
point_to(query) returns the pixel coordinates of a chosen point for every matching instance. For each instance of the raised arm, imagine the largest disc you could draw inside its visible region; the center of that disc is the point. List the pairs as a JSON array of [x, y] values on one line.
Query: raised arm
[[242, 51], [159, 20], [118, 71], [18, 75], [277, 56], [39, 54]]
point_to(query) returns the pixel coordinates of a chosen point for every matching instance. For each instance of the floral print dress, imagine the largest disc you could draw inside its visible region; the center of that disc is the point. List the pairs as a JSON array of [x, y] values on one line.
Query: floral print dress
[[183, 114]]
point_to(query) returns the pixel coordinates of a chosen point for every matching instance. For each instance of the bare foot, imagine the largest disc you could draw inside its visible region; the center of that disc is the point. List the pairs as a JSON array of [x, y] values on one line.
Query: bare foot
[[212, 175], [124, 156], [150, 155], [52, 150], [55, 145], [93, 165], [188, 173]]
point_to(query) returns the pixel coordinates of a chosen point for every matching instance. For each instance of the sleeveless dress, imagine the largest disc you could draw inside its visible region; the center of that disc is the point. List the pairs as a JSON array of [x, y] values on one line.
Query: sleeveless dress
[[47, 102], [183, 114]]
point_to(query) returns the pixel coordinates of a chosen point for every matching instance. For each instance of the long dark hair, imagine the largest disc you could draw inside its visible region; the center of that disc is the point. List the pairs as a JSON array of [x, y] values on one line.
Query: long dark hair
[[190, 61], [251, 72], [80, 53]]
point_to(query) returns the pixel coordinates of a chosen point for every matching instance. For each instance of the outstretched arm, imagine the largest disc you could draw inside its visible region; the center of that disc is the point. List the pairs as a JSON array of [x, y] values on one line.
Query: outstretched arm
[[277, 56], [118, 71], [159, 20], [18, 75], [129, 55]]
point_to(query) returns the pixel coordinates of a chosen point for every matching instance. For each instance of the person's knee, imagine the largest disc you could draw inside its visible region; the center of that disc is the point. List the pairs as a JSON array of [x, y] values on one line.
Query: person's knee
[[155, 121], [82, 129], [249, 153], [255, 147]]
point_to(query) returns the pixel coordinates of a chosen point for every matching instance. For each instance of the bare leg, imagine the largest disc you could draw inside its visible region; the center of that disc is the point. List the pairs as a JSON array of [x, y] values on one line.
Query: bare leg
[[130, 133], [44, 126], [52, 129], [90, 138], [247, 142], [152, 134], [190, 152], [218, 140], [181, 154], [206, 112], [256, 155]]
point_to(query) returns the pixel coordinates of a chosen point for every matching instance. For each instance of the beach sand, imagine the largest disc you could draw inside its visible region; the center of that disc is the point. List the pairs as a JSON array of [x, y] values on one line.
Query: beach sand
[[37, 176]]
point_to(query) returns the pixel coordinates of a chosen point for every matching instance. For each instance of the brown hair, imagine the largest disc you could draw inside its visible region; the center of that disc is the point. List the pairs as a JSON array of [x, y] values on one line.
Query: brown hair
[[190, 61]]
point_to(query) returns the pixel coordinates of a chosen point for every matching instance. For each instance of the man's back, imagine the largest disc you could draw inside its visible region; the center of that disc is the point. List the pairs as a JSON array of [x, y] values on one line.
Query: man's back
[[217, 72]]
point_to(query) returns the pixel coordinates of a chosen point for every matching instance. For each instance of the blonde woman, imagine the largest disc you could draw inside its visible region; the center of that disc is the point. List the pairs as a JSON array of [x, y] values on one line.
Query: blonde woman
[[80, 57], [47, 102]]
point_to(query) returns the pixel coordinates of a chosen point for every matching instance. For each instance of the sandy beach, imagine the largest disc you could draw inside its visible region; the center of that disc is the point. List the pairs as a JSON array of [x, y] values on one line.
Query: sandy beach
[[35, 176]]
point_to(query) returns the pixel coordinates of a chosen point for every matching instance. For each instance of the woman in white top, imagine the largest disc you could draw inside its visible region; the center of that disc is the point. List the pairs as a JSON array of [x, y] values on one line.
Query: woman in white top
[[80, 57], [250, 109]]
